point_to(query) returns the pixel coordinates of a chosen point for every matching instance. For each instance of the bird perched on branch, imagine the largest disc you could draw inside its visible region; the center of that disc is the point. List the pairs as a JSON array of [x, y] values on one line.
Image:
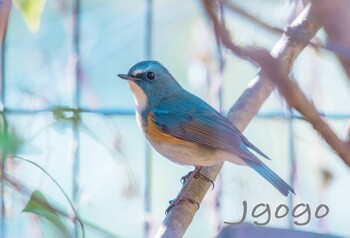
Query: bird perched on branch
[[187, 130]]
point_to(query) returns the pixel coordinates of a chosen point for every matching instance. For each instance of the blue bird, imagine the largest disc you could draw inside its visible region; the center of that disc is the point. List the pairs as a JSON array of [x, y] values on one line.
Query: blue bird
[[187, 130]]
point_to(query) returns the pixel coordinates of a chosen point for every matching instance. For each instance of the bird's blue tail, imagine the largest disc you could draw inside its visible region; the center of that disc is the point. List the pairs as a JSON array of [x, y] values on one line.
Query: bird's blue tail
[[270, 176]]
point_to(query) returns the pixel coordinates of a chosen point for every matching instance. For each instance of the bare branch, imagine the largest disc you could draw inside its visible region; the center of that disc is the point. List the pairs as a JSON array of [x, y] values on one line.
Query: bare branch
[[296, 99], [273, 70], [5, 9], [347, 135], [235, 8], [289, 31], [343, 51], [286, 50], [335, 18]]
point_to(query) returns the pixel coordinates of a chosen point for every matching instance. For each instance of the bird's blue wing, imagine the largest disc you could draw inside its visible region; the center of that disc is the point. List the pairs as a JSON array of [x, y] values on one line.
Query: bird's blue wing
[[203, 126]]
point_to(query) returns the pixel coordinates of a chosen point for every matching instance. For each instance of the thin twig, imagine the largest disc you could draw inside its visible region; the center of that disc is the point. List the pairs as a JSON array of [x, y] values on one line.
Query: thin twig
[[341, 50], [76, 213], [17, 185], [235, 8]]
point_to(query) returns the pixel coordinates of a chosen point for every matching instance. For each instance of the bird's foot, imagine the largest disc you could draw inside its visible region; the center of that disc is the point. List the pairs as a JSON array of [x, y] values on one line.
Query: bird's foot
[[197, 174], [176, 201], [186, 177]]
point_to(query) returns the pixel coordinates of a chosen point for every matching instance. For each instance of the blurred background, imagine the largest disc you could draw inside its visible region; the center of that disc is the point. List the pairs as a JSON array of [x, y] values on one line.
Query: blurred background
[[64, 108]]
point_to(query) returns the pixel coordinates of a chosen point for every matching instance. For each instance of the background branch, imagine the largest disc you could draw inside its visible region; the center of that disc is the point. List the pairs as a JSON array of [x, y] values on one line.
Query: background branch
[[274, 70], [241, 113], [339, 40], [335, 18]]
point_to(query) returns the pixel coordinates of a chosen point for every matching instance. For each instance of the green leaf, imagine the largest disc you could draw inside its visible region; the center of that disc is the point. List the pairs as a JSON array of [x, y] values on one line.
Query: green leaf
[[40, 206], [61, 189], [10, 142], [31, 11]]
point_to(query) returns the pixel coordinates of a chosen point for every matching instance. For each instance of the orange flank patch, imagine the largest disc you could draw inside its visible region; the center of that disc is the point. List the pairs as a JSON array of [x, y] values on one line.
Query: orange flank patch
[[178, 150], [155, 135]]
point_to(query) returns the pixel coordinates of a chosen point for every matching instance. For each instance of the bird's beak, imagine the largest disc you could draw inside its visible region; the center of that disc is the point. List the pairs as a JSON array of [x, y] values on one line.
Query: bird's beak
[[127, 77]]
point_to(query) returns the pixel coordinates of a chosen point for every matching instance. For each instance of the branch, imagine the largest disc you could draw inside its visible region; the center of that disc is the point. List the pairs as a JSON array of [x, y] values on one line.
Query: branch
[[5, 9], [274, 70], [297, 99], [335, 18], [235, 8], [339, 45], [241, 113]]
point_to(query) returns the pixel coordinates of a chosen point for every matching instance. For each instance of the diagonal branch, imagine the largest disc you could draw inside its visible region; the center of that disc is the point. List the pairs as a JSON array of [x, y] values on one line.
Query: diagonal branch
[[274, 71], [297, 99], [339, 39], [286, 50], [335, 18]]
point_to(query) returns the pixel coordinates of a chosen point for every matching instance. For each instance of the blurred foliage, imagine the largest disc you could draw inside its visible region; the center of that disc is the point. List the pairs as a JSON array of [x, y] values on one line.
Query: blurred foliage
[[31, 11], [65, 116], [40, 206], [77, 216], [327, 177], [10, 141]]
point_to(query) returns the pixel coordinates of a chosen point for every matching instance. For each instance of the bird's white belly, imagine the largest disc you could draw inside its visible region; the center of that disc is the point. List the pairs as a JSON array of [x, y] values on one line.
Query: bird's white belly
[[186, 155], [194, 155]]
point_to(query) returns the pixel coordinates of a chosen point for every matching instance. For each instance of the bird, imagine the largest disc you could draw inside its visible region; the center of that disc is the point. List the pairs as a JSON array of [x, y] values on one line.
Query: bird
[[185, 129]]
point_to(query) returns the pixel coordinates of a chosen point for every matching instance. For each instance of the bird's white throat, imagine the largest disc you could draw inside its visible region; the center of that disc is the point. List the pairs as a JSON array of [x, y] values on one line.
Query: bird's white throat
[[139, 96]]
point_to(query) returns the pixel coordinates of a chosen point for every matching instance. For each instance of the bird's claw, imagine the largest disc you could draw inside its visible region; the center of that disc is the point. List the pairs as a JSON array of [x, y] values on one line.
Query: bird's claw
[[198, 174], [183, 180], [176, 201], [185, 177]]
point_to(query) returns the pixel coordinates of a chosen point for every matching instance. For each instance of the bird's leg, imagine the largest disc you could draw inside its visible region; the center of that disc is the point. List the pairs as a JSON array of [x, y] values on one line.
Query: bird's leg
[[184, 179], [197, 175]]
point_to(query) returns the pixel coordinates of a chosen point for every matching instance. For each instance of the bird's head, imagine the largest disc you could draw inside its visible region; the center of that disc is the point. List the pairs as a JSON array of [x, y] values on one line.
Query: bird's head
[[150, 82]]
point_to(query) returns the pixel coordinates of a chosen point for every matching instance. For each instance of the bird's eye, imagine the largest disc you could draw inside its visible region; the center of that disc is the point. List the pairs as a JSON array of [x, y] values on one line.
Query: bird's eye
[[150, 75]]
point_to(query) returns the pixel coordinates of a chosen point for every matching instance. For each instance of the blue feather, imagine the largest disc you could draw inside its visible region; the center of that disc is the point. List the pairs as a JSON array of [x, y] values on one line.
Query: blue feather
[[270, 176]]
